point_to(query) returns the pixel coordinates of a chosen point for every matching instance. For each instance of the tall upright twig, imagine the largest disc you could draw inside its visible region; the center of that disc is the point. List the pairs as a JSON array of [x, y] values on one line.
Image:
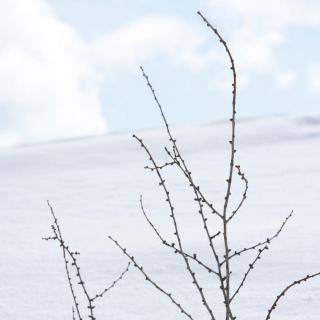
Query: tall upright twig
[[178, 159], [231, 164]]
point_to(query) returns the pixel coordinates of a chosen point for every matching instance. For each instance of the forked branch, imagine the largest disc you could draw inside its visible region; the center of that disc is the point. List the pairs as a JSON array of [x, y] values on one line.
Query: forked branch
[[176, 233], [69, 254], [147, 278], [172, 245], [260, 244]]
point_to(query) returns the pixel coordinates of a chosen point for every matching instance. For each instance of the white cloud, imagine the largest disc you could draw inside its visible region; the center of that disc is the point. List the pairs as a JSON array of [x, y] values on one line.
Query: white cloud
[[49, 84], [44, 77], [313, 78], [150, 36], [273, 13], [48, 77], [285, 78], [258, 28]]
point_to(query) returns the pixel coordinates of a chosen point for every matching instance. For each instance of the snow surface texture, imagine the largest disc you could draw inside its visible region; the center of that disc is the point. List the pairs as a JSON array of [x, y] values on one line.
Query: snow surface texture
[[94, 186]]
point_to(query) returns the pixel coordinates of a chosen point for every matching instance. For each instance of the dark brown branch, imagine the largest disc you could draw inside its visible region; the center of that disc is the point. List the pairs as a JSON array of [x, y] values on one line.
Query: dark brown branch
[[67, 253], [232, 155], [172, 245], [205, 226], [178, 159], [58, 236], [283, 292], [176, 230], [244, 195], [251, 267], [259, 244], [258, 257], [176, 151], [160, 167], [140, 268], [113, 284]]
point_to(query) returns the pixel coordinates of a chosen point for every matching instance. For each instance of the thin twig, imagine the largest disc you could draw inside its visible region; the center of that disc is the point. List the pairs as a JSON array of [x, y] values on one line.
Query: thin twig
[[58, 236], [140, 268], [244, 195], [113, 284], [251, 267], [160, 167], [231, 166], [205, 225], [67, 253], [283, 292], [260, 244], [199, 197], [176, 229], [176, 150], [172, 245]]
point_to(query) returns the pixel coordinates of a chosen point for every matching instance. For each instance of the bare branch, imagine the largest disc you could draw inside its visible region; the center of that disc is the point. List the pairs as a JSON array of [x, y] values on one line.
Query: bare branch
[[199, 197], [244, 196], [58, 236], [100, 295], [231, 166], [283, 292], [251, 267], [140, 268], [175, 148], [210, 237], [172, 245], [260, 244], [68, 254], [160, 167], [176, 230]]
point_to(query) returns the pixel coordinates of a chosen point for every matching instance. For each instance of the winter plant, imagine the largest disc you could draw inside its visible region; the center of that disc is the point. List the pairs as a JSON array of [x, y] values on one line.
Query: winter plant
[[220, 267]]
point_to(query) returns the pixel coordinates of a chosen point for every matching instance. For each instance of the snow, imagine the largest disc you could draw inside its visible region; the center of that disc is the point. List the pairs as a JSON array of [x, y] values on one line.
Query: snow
[[94, 185]]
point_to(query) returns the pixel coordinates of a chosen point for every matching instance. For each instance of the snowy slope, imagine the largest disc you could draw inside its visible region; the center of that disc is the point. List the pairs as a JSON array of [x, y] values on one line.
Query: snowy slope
[[94, 185]]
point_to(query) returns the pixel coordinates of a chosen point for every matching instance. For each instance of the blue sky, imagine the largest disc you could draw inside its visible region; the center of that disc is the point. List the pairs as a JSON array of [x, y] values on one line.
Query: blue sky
[[71, 68]]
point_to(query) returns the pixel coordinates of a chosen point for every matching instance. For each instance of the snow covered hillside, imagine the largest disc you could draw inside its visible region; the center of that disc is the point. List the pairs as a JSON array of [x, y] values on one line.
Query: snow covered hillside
[[94, 186]]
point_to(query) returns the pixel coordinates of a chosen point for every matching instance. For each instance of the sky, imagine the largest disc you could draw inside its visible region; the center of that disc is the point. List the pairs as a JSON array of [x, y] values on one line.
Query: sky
[[71, 68]]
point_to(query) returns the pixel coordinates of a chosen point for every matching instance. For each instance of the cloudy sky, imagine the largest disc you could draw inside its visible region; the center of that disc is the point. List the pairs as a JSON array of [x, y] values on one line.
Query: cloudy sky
[[71, 68]]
